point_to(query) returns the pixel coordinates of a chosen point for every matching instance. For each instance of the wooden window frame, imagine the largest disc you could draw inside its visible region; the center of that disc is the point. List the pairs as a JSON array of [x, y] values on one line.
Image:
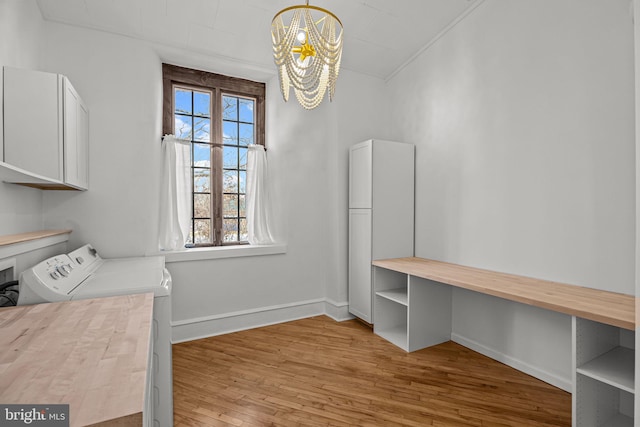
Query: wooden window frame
[[173, 75]]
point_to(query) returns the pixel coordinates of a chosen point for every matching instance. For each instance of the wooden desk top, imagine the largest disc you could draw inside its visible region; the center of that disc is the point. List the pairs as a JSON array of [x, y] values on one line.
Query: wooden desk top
[[91, 354], [593, 304]]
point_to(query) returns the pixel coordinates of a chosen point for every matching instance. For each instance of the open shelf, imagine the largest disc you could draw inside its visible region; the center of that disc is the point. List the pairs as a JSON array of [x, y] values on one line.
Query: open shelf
[[411, 323], [598, 404], [396, 336], [619, 421], [391, 319], [616, 368], [604, 375], [398, 295]]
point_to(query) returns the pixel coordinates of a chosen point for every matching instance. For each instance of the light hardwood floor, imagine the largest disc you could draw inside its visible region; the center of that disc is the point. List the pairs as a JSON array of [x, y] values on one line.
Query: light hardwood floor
[[318, 372]]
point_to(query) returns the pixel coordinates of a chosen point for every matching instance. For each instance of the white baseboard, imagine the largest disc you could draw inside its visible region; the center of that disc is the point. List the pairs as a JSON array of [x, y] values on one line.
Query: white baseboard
[[209, 326], [338, 311], [554, 380]]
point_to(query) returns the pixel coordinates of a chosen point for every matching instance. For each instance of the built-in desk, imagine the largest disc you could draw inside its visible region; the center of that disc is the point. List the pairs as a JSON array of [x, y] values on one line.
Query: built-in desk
[[413, 309]]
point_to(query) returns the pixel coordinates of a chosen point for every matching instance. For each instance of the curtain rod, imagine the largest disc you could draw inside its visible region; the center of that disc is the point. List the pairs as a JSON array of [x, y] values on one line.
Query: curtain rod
[[215, 144]]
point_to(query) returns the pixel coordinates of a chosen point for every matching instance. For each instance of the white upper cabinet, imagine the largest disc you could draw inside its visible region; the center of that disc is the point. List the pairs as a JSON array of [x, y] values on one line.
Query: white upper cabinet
[[32, 131], [76, 138], [46, 131]]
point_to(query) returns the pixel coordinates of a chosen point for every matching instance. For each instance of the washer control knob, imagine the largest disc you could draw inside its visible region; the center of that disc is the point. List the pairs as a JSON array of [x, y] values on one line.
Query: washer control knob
[[60, 270], [80, 260], [54, 275]]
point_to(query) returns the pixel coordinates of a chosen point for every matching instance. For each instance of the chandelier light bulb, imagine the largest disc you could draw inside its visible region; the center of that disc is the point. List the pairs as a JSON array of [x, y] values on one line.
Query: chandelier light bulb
[[302, 36]]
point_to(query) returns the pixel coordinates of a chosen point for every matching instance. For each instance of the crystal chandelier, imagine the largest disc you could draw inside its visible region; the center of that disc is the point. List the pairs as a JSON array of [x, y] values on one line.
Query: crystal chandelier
[[307, 48]]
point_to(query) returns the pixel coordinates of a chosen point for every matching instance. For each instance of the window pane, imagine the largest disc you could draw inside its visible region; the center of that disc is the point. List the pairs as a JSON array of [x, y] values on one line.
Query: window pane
[[242, 182], [243, 206], [229, 108], [230, 156], [230, 133], [246, 134], [202, 231], [183, 101], [243, 230], [201, 155], [229, 205], [243, 158], [246, 110], [182, 127], [202, 129], [202, 103], [230, 230], [202, 205], [230, 182], [201, 180]]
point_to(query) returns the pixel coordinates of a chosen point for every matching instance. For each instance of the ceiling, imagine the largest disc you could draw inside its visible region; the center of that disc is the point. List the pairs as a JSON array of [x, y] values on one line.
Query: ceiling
[[379, 35]]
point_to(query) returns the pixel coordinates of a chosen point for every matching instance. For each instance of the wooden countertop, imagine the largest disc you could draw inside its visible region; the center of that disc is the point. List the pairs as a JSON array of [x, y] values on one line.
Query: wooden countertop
[[593, 304], [33, 235], [91, 354]]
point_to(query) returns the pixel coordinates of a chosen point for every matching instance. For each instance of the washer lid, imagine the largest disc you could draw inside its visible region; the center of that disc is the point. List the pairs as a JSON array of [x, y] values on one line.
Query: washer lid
[[126, 276]]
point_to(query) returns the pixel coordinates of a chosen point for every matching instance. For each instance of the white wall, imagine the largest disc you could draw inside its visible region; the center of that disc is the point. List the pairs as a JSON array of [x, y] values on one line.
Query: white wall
[[524, 118], [360, 112], [307, 152], [120, 80], [20, 33]]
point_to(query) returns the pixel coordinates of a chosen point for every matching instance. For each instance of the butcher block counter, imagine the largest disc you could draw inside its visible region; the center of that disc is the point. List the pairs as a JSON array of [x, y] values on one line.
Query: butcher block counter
[[91, 354]]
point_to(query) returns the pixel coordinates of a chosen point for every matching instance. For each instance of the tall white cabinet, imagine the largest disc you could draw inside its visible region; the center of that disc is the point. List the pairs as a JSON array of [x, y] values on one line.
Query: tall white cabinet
[[381, 214], [46, 131]]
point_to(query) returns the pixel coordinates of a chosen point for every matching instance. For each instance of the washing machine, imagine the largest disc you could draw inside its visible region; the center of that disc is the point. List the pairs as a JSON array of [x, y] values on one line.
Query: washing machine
[[83, 274]]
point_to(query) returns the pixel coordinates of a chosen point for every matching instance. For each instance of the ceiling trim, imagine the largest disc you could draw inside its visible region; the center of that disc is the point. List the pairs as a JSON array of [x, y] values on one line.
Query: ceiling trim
[[438, 36]]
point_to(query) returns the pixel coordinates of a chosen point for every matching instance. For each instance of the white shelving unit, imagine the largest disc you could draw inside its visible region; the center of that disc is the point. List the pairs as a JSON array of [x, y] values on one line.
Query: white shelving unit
[[604, 389], [411, 312], [391, 303]]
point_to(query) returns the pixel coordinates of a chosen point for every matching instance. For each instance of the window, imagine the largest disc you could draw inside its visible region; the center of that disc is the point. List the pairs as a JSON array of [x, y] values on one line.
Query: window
[[221, 116]]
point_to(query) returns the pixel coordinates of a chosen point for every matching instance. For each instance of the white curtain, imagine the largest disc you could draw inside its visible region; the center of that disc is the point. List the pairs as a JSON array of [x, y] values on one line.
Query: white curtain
[[258, 200], [175, 197]]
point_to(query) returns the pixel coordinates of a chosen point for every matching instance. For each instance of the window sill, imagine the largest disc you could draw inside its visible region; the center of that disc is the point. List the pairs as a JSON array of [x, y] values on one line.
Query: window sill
[[219, 252]]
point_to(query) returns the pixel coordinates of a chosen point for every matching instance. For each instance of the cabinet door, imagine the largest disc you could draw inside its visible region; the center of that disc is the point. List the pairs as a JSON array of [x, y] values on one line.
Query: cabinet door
[[76, 138], [393, 196], [360, 175], [32, 127], [360, 284]]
